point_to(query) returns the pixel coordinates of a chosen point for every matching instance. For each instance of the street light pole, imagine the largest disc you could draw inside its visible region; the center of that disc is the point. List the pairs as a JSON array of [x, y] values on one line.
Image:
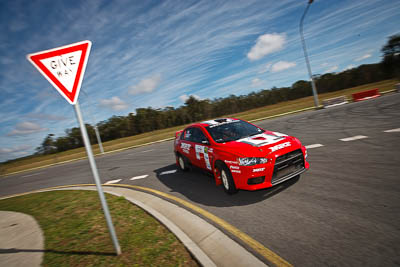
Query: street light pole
[[303, 42]]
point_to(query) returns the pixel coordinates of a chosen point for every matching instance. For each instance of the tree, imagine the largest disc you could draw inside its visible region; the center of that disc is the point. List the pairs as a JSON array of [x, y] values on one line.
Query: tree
[[391, 56], [47, 146]]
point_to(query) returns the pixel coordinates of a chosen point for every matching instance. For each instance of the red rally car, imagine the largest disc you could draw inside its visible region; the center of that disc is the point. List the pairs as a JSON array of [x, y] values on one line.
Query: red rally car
[[239, 154]]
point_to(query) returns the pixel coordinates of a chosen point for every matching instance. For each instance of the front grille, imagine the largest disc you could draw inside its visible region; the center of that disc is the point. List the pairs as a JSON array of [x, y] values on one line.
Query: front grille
[[287, 166]]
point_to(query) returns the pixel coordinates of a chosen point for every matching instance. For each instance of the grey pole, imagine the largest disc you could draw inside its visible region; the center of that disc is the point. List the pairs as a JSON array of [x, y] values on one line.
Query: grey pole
[[96, 130], [97, 179], [314, 88]]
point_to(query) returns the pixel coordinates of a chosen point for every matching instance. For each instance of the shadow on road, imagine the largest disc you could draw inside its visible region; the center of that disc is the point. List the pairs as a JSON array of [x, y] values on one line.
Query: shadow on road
[[200, 188], [15, 250]]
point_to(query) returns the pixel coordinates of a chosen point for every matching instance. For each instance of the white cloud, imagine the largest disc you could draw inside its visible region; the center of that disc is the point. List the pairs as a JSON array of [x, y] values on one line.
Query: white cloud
[[185, 97], [256, 82], [46, 117], [266, 44], [265, 68], [146, 85], [331, 69], [17, 149], [363, 57], [25, 128], [324, 64], [351, 66], [282, 65], [115, 103]]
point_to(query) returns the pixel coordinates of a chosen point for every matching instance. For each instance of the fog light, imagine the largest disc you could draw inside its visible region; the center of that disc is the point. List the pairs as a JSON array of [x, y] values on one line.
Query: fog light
[[256, 180]]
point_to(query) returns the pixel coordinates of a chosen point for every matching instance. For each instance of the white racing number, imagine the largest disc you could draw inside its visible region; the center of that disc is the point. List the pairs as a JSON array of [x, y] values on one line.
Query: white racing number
[[203, 150]]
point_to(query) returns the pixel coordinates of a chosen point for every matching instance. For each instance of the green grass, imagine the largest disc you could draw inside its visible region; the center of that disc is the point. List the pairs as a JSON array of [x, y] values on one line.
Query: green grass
[[76, 233], [271, 110]]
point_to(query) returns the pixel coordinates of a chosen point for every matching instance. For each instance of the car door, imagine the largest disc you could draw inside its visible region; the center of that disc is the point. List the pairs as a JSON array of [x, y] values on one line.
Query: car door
[[187, 146], [201, 148]]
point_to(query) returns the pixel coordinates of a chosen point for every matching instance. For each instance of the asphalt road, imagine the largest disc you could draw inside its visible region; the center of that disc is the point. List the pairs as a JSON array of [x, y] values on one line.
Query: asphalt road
[[345, 211]]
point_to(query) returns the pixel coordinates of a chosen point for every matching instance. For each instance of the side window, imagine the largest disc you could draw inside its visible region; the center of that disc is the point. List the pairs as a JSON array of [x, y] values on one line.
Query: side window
[[198, 136], [187, 134]]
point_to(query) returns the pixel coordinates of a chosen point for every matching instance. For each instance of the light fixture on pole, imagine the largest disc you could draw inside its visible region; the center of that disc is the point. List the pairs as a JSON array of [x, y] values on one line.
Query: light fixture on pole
[[303, 42]]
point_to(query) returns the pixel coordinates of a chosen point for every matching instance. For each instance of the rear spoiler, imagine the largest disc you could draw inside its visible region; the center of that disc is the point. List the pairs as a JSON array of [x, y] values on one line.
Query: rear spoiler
[[178, 133]]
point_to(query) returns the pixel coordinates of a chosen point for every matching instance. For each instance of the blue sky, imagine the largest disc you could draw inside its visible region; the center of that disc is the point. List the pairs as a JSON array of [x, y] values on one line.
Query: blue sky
[[157, 53]]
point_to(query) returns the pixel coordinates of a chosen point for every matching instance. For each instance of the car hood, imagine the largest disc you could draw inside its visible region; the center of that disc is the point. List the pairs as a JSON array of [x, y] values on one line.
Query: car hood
[[261, 145]]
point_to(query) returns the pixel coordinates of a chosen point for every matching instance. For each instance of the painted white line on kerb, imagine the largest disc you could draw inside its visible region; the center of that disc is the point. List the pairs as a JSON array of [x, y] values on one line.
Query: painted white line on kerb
[[392, 130], [139, 177], [113, 181], [33, 174], [314, 146], [357, 137], [168, 172]]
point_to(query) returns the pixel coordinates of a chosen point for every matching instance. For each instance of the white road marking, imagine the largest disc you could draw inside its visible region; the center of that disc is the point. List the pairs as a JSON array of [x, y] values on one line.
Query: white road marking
[[132, 154], [357, 137], [392, 130], [168, 172], [139, 177], [314, 146], [113, 181], [33, 174]]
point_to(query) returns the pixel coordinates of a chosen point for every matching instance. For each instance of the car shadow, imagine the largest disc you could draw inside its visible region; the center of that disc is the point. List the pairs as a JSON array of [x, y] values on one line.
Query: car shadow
[[200, 188]]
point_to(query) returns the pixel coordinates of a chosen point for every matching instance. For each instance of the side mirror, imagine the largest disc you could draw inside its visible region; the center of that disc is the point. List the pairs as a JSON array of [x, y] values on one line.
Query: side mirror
[[205, 142]]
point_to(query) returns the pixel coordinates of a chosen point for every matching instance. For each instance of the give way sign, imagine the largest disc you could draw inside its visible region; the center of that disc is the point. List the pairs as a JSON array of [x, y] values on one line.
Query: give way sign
[[64, 67]]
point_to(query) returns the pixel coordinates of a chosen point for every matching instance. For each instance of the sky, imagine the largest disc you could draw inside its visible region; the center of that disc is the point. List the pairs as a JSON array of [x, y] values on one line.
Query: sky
[[158, 53]]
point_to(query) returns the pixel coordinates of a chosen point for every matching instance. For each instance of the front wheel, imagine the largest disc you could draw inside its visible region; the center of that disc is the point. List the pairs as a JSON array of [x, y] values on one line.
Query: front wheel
[[227, 181]]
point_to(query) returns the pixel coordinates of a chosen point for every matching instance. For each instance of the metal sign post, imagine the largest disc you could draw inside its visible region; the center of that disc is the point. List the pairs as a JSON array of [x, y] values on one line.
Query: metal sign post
[[64, 68], [97, 179]]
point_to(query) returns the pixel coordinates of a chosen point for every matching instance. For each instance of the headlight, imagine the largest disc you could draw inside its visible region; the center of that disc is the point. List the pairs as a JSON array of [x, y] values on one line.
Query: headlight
[[252, 161]]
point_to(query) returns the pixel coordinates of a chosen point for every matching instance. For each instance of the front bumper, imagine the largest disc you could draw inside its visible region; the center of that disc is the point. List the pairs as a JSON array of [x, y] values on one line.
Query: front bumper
[[280, 168]]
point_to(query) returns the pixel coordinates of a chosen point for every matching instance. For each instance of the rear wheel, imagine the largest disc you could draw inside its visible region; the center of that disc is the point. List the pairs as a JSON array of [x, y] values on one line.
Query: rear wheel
[[227, 181], [182, 163]]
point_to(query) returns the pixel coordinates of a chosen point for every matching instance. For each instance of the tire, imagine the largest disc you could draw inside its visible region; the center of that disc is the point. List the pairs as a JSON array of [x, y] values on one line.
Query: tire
[[182, 163], [227, 181]]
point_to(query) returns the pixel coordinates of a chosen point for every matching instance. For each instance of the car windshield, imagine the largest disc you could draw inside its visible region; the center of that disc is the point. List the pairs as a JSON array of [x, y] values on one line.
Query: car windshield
[[231, 131]]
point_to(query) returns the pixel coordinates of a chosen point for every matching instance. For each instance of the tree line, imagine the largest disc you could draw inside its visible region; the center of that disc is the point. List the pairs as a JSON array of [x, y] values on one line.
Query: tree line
[[149, 119]]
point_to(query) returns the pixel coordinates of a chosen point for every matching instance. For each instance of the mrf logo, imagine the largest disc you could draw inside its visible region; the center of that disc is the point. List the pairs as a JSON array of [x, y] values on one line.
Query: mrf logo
[[280, 146]]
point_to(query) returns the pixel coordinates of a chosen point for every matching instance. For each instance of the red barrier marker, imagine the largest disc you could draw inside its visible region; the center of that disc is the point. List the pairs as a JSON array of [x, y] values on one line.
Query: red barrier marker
[[364, 95]]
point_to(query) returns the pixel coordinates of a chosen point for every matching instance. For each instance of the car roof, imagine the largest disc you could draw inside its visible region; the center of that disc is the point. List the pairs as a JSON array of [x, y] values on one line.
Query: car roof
[[216, 122]]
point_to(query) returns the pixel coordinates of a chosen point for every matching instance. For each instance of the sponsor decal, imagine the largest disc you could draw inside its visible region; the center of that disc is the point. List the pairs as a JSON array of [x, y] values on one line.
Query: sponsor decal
[[199, 149], [258, 170], [230, 162], [235, 167], [236, 171], [280, 146], [203, 150], [207, 159], [185, 147]]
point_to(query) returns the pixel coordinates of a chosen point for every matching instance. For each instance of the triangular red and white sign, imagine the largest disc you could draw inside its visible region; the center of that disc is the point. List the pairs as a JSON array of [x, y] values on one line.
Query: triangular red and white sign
[[64, 67]]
